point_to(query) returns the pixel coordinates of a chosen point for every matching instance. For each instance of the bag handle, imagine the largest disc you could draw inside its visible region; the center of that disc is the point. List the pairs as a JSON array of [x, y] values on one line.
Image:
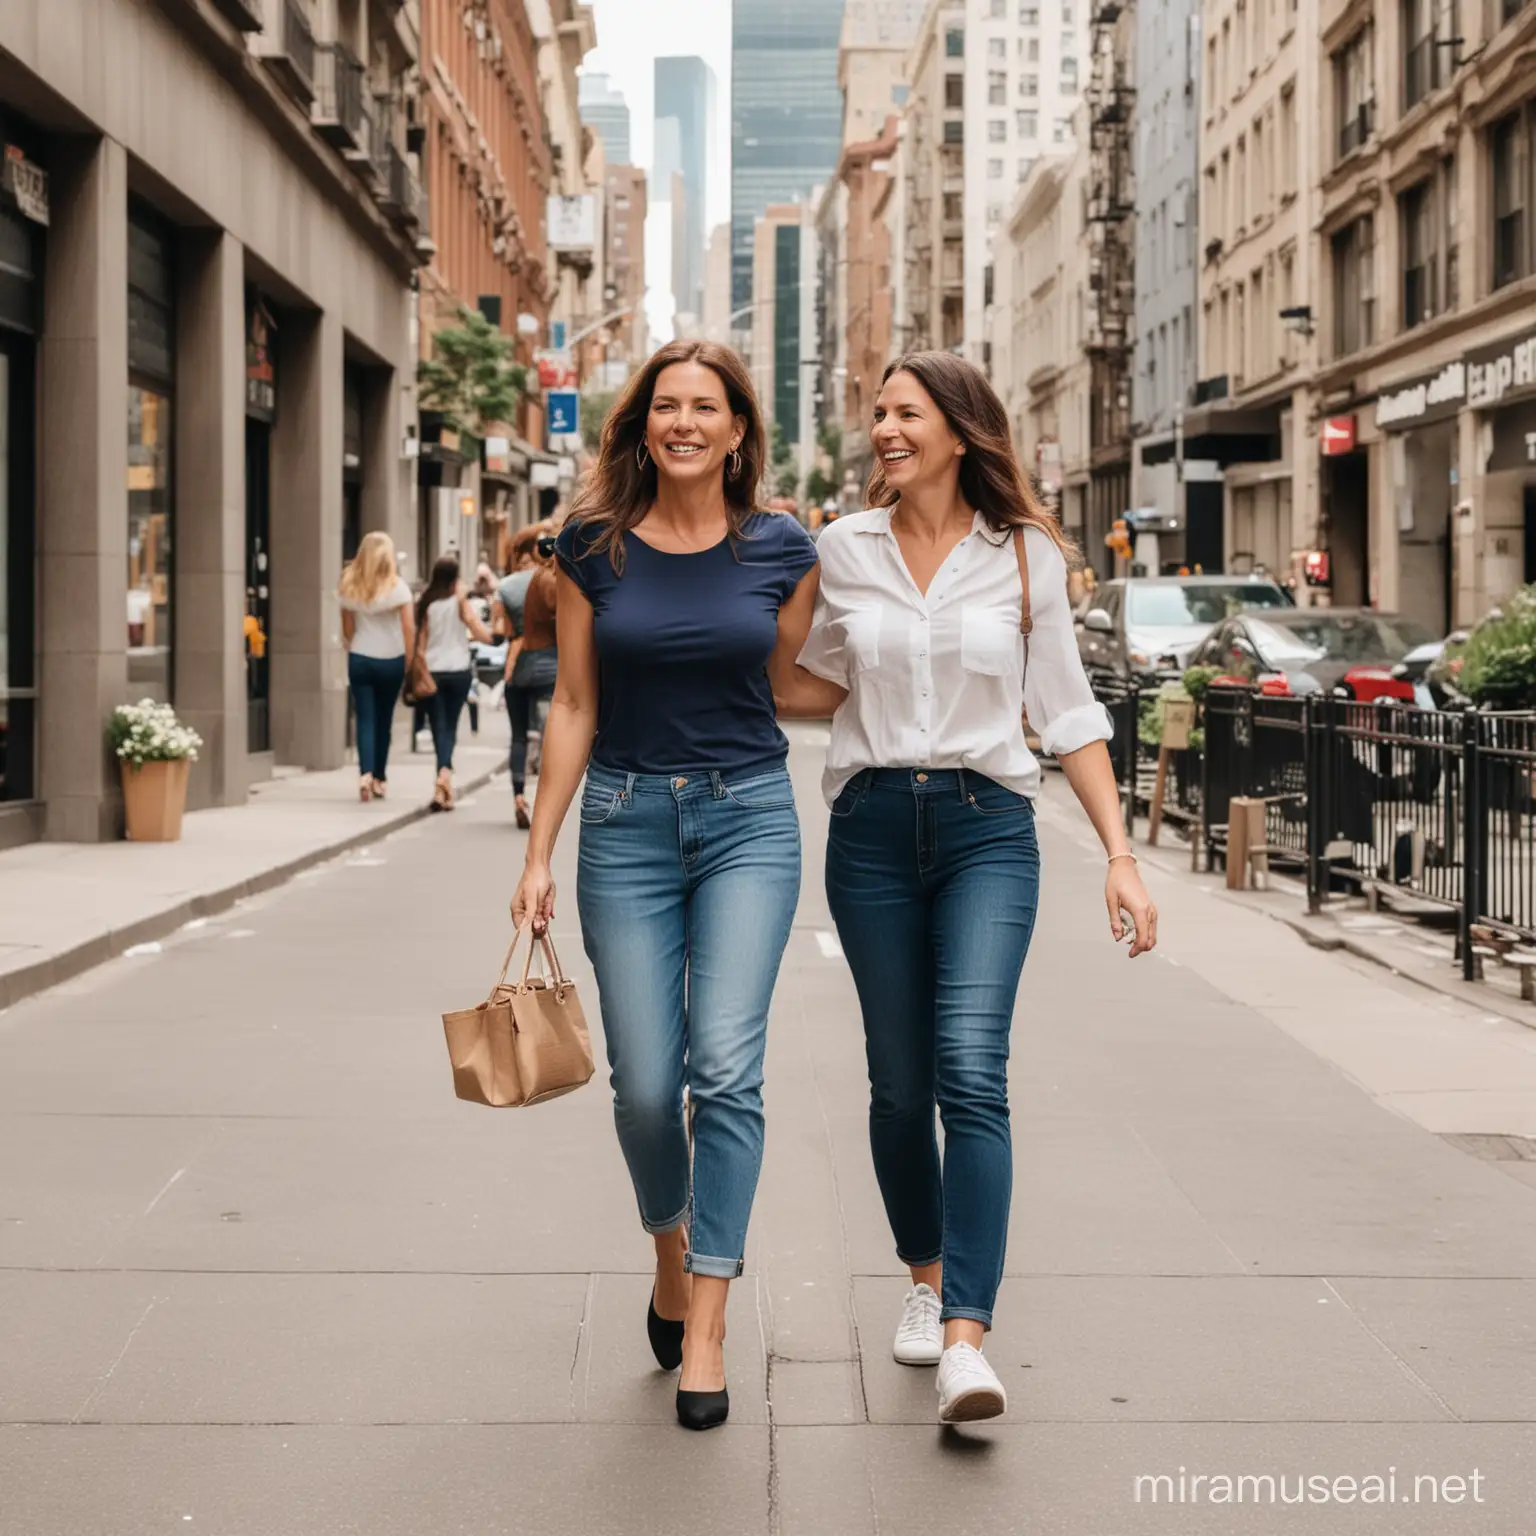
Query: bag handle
[[553, 970], [1026, 620]]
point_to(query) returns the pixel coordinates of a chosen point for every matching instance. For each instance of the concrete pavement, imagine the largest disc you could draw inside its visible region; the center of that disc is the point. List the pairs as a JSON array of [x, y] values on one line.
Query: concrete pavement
[[260, 1272]]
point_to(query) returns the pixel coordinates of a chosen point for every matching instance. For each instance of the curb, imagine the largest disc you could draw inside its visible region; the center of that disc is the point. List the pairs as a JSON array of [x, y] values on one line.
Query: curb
[[27, 981]]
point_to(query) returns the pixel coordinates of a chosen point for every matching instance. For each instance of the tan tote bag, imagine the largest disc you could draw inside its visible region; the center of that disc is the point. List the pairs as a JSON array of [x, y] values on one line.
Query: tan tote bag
[[524, 1043]]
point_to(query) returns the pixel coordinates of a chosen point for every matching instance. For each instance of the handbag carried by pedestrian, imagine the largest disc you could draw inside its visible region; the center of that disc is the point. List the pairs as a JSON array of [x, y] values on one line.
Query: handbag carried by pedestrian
[[524, 1043], [420, 685]]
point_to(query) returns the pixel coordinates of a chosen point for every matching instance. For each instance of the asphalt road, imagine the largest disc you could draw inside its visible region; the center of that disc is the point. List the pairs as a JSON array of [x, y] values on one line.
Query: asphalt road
[[262, 1275]]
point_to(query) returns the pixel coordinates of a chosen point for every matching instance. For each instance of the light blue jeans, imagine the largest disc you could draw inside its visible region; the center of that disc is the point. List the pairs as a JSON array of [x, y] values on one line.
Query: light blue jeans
[[687, 888]]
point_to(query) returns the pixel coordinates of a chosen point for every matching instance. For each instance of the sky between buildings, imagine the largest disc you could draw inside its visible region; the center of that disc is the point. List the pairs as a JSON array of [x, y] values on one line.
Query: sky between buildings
[[631, 35]]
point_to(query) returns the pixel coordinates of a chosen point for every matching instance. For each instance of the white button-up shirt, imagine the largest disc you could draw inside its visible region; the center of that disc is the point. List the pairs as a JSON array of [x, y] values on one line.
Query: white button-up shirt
[[941, 681]]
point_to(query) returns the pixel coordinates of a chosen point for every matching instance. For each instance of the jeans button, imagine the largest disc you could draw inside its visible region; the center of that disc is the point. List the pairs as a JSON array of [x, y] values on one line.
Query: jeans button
[[679, 783], [922, 778]]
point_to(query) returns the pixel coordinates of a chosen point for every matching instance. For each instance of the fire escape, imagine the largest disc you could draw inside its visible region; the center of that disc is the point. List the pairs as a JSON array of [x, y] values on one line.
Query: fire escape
[[1111, 263]]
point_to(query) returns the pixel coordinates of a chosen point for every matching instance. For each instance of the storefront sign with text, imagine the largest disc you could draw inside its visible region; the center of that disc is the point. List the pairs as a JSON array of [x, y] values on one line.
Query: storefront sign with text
[[1431, 398], [1496, 373]]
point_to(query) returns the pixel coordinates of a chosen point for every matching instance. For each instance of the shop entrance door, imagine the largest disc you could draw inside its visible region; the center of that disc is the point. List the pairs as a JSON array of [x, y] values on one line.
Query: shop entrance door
[[258, 588], [18, 691], [1347, 486]]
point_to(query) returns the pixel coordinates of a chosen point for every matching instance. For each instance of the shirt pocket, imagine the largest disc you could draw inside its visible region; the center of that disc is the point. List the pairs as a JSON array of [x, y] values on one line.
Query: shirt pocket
[[989, 643], [861, 639]]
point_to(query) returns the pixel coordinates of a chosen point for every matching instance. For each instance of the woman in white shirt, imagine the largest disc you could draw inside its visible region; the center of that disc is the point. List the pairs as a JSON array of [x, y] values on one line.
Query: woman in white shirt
[[921, 636], [377, 627], [446, 620]]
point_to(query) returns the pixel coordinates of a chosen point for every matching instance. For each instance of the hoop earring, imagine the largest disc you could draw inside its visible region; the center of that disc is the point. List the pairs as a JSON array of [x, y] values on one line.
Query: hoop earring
[[735, 463], [642, 457]]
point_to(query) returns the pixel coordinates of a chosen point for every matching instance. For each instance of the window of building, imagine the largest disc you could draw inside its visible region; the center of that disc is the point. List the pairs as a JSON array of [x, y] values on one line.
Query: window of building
[[1354, 290], [1354, 92], [1069, 74], [997, 48], [1029, 15], [1431, 39], [1032, 49], [1509, 145], [1059, 131], [954, 91], [1211, 88], [954, 43], [1240, 46], [997, 130], [954, 132], [900, 94], [1288, 140], [994, 170], [1240, 188], [1450, 228], [954, 207], [1416, 214], [1213, 229], [1026, 164], [999, 10], [1224, 60], [997, 88], [1260, 199], [1029, 85], [151, 502], [1028, 123]]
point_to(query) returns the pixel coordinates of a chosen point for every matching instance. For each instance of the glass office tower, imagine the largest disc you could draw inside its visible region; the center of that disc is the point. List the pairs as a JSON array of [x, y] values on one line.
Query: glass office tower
[[786, 115]]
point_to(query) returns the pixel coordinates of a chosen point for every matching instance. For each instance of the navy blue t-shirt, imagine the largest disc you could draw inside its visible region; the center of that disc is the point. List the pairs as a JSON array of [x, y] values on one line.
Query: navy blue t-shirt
[[683, 643]]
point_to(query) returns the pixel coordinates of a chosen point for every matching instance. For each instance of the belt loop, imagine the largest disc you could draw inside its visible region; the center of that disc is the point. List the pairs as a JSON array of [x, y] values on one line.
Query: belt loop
[[717, 783], [960, 780], [629, 787]]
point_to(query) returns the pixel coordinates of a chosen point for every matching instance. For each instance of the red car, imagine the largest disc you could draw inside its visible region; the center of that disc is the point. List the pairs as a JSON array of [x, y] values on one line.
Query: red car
[[1315, 650]]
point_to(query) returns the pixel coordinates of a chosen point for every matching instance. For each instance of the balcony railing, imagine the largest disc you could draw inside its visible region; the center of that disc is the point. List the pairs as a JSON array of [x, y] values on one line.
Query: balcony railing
[[338, 96], [1356, 129], [291, 52]]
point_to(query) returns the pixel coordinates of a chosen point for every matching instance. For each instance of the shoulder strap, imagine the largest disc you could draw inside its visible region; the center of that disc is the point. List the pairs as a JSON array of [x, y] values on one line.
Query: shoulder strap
[[1026, 621]]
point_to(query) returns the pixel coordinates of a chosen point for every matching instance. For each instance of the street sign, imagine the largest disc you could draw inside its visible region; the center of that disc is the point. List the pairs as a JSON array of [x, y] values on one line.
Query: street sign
[[557, 335], [562, 412], [1338, 436]]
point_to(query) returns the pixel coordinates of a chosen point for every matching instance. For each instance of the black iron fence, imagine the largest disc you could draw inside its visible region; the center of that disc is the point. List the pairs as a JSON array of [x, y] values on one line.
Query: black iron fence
[[1439, 806]]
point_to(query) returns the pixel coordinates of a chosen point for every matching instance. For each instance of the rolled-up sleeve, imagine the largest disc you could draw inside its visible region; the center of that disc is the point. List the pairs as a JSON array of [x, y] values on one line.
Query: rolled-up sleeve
[[823, 652], [1058, 699]]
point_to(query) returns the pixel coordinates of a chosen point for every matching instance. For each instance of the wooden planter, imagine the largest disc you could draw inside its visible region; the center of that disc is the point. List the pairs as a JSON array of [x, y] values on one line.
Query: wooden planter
[[154, 797]]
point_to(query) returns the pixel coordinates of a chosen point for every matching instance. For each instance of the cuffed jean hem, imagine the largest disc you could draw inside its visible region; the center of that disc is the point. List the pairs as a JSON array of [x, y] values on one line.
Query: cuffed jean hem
[[933, 1258], [661, 1228], [716, 1269], [973, 1314]]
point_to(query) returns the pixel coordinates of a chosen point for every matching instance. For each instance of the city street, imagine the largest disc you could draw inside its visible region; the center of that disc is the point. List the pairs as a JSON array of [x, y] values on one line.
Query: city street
[[262, 1275]]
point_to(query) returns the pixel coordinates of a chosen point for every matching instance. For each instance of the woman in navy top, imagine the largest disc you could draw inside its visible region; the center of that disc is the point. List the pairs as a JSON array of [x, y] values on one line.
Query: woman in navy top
[[679, 604]]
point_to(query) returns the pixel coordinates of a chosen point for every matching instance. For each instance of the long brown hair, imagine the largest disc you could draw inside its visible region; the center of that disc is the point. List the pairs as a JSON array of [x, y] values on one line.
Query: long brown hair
[[990, 478], [619, 490]]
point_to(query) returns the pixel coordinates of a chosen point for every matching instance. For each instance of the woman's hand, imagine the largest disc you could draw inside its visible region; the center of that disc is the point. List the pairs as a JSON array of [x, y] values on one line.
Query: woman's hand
[[1124, 893], [534, 898]]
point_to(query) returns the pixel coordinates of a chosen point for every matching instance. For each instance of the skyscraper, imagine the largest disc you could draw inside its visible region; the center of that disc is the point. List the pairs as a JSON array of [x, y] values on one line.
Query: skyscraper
[[685, 126], [786, 114], [604, 110]]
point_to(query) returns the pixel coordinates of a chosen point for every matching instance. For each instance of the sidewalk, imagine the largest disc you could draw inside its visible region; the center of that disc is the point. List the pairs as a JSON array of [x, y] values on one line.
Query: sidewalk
[[71, 906]]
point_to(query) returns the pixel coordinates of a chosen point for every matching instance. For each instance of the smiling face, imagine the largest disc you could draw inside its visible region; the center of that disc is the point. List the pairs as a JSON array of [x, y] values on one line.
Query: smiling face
[[690, 431], [911, 438]]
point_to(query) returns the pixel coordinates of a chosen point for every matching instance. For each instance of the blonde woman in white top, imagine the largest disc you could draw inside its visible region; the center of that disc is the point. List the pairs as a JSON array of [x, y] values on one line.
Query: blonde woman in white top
[[379, 631], [922, 644]]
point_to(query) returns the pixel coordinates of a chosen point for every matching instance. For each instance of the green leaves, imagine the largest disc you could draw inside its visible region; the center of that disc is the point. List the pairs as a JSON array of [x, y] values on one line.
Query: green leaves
[[472, 377], [1197, 679]]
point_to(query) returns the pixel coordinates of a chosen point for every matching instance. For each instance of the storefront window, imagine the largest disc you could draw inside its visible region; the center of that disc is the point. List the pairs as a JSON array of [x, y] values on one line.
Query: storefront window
[[151, 361], [149, 541]]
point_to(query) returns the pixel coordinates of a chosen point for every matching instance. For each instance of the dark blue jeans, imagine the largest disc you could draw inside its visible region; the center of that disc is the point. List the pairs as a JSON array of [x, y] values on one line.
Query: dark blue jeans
[[933, 877], [444, 708], [375, 688]]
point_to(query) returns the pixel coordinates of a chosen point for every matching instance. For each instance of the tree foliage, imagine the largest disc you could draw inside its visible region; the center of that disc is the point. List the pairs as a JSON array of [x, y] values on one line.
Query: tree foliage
[[472, 376], [783, 475], [1498, 662], [594, 412]]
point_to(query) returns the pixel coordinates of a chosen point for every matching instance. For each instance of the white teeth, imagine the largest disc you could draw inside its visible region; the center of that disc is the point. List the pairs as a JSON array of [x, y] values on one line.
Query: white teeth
[[684, 448], [893, 458]]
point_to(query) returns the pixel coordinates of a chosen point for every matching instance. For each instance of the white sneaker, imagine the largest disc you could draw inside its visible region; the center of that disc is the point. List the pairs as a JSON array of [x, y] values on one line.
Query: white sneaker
[[968, 1387], [919, 1334]]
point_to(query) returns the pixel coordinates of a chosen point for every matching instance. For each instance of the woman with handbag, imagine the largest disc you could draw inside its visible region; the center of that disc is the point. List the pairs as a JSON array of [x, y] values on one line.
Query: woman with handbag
[[942, 620], [446, 620], [676, 599], [379, 633]]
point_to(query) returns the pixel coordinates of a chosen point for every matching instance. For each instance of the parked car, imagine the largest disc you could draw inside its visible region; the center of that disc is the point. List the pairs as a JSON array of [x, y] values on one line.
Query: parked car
[[1353, 651], [1148, 626], [1434, 668]]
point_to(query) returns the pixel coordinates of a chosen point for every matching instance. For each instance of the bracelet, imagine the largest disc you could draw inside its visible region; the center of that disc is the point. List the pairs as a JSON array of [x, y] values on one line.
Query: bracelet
[[1131, 856]]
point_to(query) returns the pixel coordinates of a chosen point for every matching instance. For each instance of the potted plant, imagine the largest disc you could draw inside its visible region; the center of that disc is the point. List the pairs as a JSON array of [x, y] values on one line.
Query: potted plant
[[155, 750]]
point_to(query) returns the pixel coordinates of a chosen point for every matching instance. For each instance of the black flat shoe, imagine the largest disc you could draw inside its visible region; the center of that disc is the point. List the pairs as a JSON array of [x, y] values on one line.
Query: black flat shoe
[[666, 1337], [703, 1410]]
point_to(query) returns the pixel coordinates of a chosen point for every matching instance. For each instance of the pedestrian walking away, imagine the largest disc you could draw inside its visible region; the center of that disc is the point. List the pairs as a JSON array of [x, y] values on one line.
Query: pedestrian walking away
[[446, 622], [527, 600], [677, 601], [941, 624], [379, 631]]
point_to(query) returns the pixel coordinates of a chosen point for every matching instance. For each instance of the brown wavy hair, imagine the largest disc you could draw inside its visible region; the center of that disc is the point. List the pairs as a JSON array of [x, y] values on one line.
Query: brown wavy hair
[[618, 491], [991, 479]]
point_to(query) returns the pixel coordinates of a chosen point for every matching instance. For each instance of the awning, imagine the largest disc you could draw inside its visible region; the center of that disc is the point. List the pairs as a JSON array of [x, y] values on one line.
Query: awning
[[1225, 433]]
